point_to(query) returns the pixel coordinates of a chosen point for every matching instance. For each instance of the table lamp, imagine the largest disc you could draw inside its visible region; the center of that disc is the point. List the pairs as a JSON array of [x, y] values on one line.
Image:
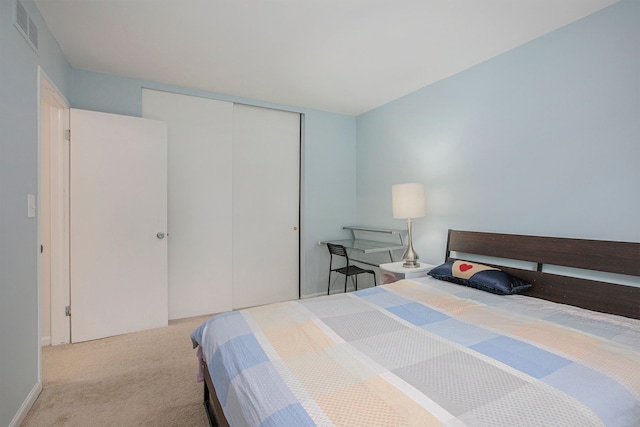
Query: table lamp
[[409, 202]]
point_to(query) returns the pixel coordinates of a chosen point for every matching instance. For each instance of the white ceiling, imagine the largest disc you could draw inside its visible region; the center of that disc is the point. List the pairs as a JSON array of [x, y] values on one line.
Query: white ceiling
[[344, 56]]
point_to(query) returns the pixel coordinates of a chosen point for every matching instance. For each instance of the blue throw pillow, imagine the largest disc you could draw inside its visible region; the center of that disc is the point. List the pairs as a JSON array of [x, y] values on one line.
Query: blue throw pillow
[[479, 276]]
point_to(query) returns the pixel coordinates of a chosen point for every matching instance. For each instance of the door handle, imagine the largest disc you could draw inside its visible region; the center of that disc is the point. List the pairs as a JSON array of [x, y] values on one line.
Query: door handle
[[160, 235]]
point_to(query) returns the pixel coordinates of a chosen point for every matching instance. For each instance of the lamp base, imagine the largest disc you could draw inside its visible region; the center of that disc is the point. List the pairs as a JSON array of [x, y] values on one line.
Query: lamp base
[[411, 263], [410, 256]]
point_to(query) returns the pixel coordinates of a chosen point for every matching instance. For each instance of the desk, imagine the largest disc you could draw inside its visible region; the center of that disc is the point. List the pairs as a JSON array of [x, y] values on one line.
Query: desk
[[367, 246]]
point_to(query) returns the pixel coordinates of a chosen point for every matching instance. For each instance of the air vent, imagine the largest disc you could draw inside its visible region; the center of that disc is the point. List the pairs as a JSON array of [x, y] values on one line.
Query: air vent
[[25, 24], [22, 18], [33, 34]]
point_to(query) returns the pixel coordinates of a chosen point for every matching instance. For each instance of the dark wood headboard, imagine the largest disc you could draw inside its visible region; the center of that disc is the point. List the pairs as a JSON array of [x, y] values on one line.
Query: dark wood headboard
[[595, 255]]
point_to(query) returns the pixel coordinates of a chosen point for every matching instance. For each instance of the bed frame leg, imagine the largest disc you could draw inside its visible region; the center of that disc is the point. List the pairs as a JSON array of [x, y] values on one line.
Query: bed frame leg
[[207, 407]]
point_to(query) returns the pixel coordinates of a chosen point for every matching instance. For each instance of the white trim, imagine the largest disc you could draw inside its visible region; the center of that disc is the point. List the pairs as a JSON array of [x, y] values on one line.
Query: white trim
[[26, 405], [59, 251], [58, 93], [302, 203], [45, 341], [41, 76]]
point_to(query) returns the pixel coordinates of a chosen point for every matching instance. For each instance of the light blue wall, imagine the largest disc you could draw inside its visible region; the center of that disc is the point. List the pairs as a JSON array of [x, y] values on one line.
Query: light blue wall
[[328, 164], [19, 103], [329, 191], [544, 139]]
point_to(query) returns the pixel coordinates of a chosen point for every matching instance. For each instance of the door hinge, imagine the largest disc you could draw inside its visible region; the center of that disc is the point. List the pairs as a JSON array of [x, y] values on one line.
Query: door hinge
[[41, 248], [67, 135], [67, 311]]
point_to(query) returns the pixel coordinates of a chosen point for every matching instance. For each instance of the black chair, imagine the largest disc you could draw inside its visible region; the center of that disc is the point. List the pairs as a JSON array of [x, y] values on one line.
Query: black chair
[[348, 270]]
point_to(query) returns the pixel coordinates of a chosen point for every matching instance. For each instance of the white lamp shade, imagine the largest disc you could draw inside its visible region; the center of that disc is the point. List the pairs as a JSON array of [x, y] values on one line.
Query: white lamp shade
[[408, 200]]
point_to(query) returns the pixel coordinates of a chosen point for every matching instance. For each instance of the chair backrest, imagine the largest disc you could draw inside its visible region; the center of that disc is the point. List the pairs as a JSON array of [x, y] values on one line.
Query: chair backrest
[[338, 250]]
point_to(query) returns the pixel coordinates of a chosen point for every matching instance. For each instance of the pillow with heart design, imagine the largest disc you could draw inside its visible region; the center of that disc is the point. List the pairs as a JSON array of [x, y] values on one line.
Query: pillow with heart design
[[479, 276]]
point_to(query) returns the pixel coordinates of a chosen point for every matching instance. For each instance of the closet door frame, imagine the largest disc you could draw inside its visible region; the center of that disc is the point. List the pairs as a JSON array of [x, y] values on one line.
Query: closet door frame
[[186, 297]]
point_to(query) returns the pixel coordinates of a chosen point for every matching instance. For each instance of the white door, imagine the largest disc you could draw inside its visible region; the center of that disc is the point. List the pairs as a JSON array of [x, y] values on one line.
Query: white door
[[266, 205], [199, 176], [118, 205]]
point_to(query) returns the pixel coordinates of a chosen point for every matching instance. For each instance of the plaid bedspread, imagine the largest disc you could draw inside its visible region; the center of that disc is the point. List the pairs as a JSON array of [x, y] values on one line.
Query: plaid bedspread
[[423, 353]]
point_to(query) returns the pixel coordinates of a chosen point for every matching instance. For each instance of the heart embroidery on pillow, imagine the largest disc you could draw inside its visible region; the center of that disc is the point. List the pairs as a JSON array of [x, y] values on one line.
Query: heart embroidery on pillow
[[465, 267]]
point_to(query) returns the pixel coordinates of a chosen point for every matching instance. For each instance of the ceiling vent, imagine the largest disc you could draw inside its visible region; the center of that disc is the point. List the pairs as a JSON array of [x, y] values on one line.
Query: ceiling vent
[[25, 24]]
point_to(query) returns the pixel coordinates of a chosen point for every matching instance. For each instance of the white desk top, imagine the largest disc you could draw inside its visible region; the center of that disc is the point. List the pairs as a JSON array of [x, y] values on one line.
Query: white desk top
[[367, 246]]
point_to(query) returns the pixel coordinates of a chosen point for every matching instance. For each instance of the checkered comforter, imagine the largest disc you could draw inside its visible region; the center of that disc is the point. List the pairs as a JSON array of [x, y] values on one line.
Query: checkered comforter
[[423, 353]]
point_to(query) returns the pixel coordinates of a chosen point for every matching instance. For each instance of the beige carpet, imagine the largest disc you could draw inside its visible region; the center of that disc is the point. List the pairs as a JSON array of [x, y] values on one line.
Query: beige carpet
[[140, 379]]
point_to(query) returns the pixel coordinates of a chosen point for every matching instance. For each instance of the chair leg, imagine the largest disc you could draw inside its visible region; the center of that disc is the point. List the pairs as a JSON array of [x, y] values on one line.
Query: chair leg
[[329, 285], [356, 282], [345, 283], [374, 280]]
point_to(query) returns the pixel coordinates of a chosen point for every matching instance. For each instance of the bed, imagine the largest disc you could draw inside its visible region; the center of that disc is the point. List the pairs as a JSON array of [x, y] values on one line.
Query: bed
[[428, 352]]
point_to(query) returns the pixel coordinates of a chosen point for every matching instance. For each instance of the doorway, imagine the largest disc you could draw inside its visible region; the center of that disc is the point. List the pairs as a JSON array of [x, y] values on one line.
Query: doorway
[[53, 203]]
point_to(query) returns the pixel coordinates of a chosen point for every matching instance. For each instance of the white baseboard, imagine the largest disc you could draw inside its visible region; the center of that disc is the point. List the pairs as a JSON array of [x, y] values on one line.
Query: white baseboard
[[26, 405], [317, 294], [45, 341]]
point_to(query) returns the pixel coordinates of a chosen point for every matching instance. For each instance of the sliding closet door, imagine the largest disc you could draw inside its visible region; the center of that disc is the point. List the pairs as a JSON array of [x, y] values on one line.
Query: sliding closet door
[[199, 199], [266, 205]]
